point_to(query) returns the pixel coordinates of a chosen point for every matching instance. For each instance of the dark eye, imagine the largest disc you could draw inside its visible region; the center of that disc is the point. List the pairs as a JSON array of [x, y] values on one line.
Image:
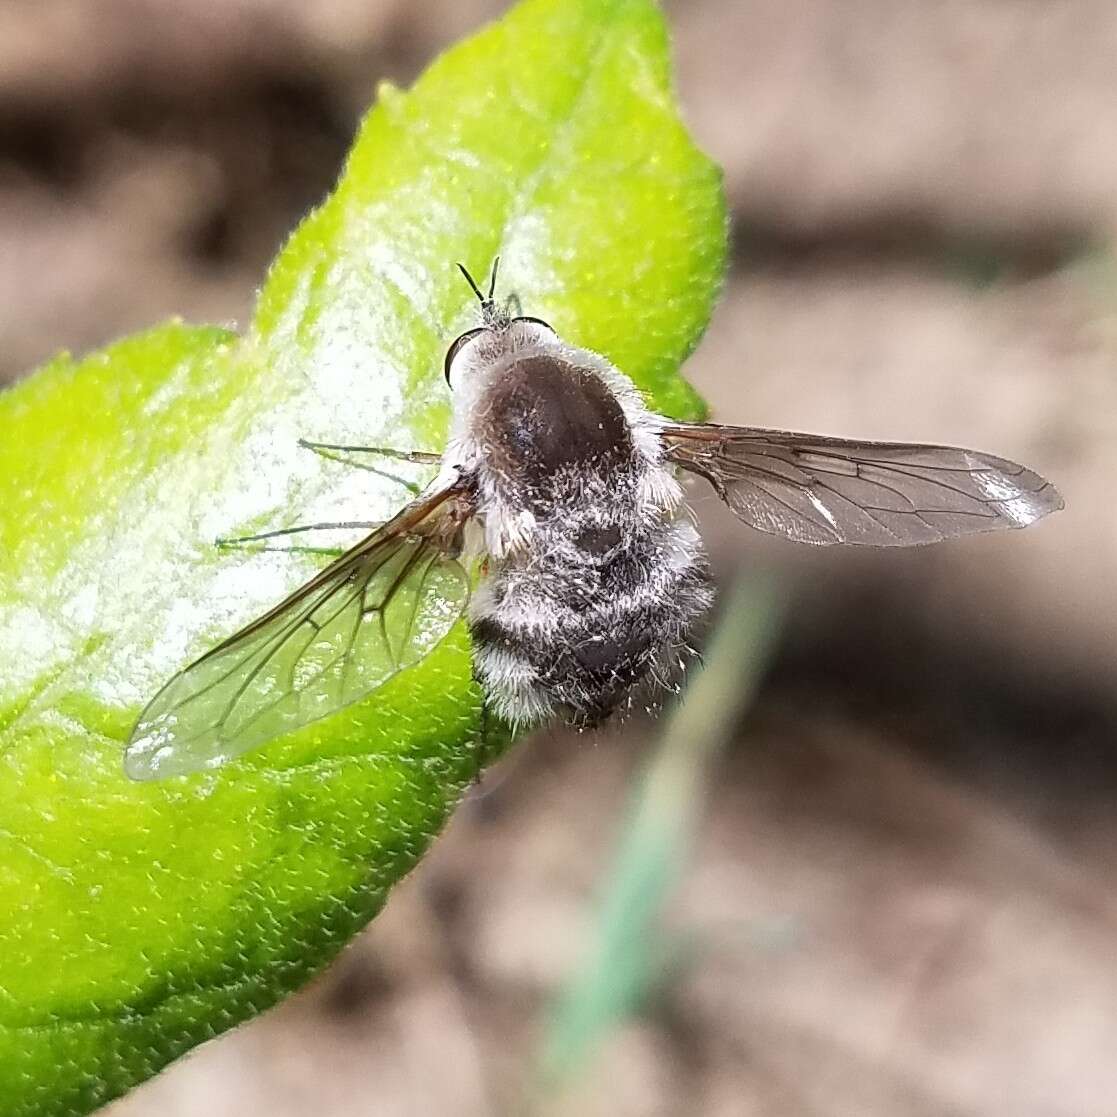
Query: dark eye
[[452, 352], [537, 321]]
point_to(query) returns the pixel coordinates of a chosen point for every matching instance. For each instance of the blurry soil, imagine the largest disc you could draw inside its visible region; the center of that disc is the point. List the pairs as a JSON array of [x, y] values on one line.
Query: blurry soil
[[902, 901]]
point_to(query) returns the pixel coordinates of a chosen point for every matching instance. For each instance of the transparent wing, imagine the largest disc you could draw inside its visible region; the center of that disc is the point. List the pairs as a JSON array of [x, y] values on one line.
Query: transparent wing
[[379, 608], [820, 490]]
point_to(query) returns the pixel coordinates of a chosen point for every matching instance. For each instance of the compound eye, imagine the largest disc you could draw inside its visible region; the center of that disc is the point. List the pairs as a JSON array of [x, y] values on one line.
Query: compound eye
[[454, 349], [536, 321]]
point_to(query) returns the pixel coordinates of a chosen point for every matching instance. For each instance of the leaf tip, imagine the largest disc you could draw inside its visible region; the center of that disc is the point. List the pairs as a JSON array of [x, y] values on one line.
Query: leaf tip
[[388, 94]]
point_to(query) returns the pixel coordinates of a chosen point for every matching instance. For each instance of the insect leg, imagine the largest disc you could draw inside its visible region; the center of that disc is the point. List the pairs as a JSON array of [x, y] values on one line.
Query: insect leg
[[331, 552], [246, 540], [335, 453], [331, 451]]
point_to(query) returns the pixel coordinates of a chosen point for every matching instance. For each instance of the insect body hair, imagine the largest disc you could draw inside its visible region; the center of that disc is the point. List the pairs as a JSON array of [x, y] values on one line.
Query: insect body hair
[[580, 648], [595, 579]]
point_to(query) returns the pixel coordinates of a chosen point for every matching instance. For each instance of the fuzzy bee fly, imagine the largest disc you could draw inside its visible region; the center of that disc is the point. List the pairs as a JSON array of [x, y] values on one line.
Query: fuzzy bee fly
[[561, 483]]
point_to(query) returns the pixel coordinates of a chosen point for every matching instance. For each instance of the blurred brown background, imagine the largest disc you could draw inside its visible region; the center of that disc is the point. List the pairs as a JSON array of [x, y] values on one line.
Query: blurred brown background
[[902, 899]]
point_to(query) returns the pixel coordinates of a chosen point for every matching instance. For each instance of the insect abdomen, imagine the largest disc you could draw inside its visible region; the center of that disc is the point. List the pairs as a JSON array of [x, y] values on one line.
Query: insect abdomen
[[557, 636]]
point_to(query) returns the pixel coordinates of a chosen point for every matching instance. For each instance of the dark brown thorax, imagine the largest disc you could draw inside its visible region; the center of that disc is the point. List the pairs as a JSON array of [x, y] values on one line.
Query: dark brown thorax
[[547, 417]]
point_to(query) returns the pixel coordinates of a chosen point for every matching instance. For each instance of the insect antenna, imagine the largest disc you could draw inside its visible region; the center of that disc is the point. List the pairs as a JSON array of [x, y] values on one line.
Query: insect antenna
[[489, 313], [473, 283]]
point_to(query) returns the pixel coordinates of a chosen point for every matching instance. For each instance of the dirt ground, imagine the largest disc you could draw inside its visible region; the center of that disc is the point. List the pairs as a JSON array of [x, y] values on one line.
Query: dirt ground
[[903, 895]]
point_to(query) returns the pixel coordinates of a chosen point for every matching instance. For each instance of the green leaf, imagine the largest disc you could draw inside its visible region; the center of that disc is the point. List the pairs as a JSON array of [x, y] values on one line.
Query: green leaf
[[139, 919]]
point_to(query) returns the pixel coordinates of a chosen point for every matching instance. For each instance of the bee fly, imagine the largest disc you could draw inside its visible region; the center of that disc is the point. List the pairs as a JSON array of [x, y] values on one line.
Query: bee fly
[[563, 485]]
